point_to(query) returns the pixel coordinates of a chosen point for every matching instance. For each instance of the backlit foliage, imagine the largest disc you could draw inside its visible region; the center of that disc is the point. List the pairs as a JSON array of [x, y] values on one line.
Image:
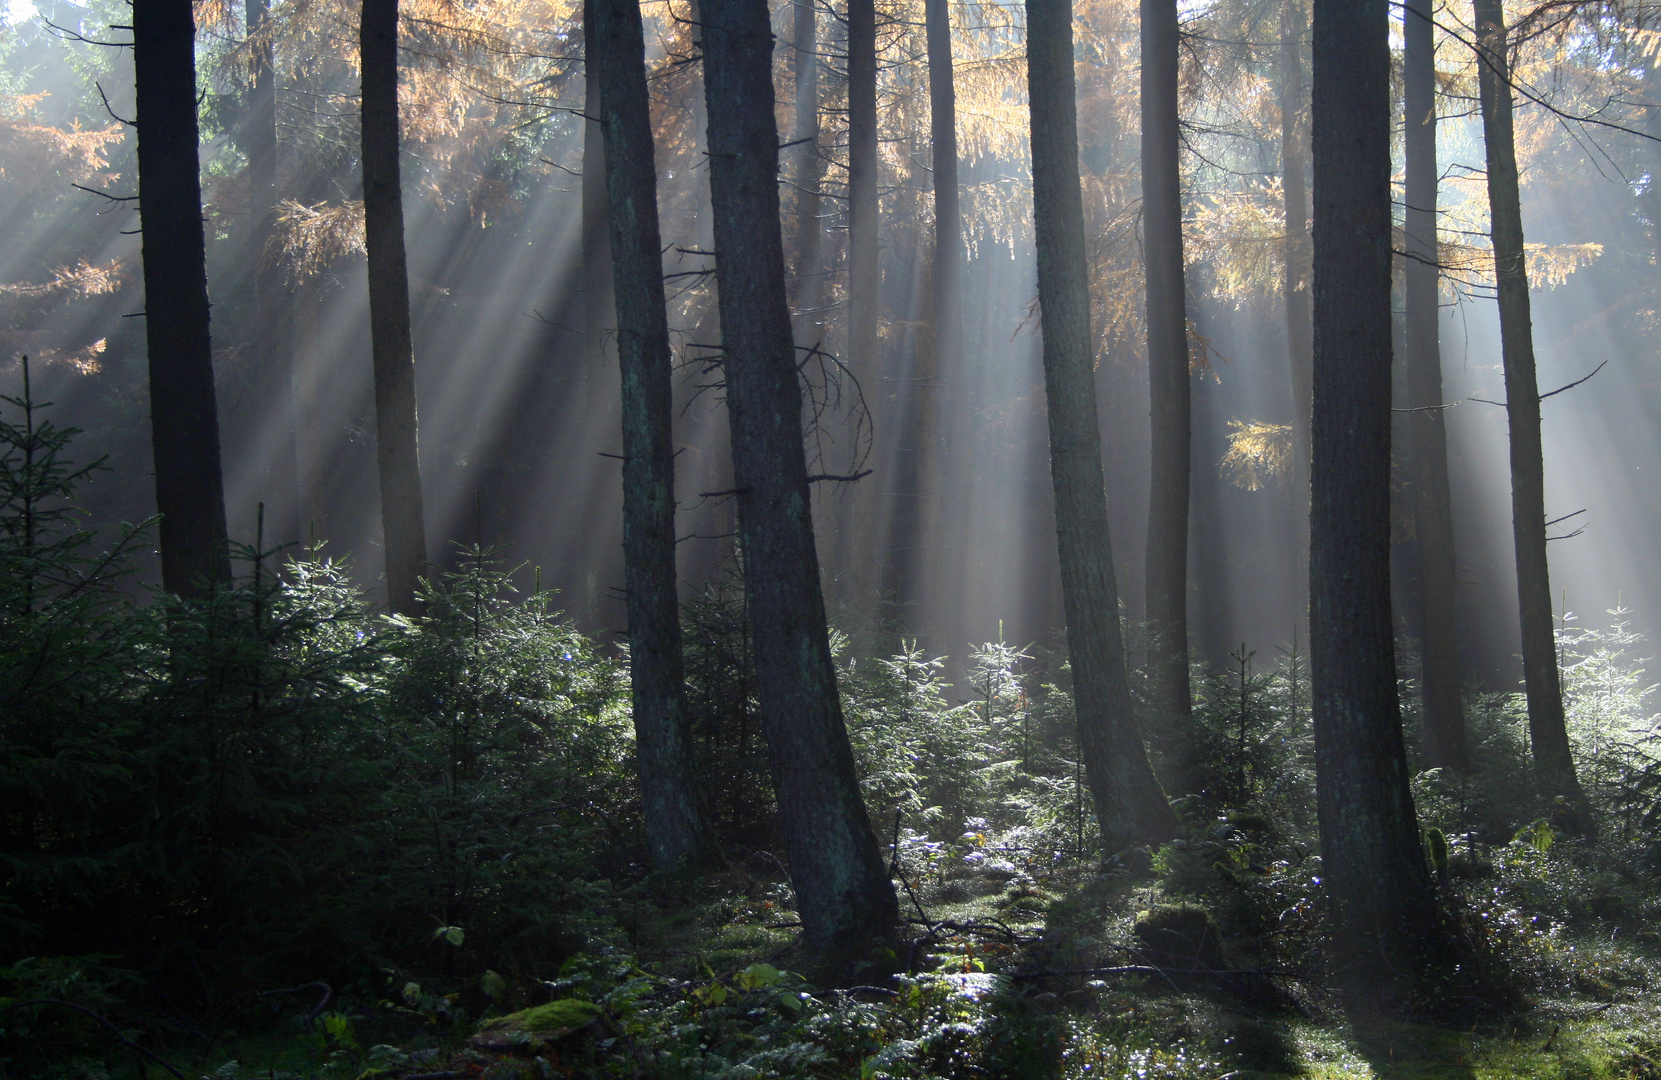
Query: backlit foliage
[[1259, 454]]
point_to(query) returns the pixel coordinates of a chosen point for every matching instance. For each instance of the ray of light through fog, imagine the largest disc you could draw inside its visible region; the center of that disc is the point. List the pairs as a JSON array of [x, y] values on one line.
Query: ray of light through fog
[[519, 431]]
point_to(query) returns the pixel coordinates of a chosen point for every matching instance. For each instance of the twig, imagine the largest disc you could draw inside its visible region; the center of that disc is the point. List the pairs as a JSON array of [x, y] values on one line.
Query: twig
[[1574, 384]]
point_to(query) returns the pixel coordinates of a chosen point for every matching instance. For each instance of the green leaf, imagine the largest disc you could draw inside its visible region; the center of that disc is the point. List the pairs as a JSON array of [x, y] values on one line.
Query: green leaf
[[493, 985], [453, 934]]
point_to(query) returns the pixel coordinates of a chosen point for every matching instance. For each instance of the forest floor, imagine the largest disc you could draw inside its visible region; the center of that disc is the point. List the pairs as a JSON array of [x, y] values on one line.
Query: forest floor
[[1013, 976]]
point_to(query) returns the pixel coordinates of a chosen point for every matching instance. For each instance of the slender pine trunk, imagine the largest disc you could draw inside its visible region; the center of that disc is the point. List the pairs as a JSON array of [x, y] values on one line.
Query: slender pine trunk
[[184, 417], [598, 307], [675, 829], [806, 173], [1168, 383], [403, 523], [949, 469], [846, 901], [1129, 803], [1380, 889], [1295, 275], [1443, 705], [1554, 770]]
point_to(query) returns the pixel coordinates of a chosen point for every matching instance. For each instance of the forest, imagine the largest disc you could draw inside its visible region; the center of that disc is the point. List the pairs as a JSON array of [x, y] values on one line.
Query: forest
[[830, 538]]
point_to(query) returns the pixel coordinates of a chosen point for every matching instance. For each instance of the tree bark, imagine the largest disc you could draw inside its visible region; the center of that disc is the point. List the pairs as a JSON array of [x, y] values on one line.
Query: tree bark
[[1377, 881], [846, 901], [675, 829], [184, 418], [1443, 706], [1130, 806], [1168, 384], [1554, 770], [403, 523], [1295, 283]]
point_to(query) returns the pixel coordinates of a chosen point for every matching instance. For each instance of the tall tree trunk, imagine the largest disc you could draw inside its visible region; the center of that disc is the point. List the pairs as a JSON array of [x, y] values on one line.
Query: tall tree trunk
[[675, 829], [948, 468], [1444, 709], [1295, 283], [1554, 770], [862, 186], [1129, 803], [598, 308], [403, 523], [1168, 384], [272, 350], [184, 417], [1375, 871], [846, 902], [310, 438], [806, 171]]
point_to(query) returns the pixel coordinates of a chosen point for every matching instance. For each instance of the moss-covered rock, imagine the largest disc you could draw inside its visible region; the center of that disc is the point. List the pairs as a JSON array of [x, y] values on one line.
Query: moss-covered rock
[[1180, 936], [536, 1026]]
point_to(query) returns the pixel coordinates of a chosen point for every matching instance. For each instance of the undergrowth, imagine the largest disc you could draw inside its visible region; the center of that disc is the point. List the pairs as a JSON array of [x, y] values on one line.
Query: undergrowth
[[274, 832]]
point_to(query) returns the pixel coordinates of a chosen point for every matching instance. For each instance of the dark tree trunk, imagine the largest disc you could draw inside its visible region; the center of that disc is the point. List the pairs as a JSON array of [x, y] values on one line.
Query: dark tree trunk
[[1295, 284], [1129, 803], [1375, 871], [403, 524], [846, 901], [1168, 384], [598, 308], [1554, 770], [806, 171], [948, 469], [675, 830], [1444, 709], [184, 418]]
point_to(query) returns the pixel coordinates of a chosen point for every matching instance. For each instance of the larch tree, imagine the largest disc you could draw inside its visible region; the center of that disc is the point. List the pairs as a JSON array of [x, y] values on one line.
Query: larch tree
[[1383, 910], [846, 901], [675, 830], [1443, 701], [1554, 769], [1168, 379], [392, 347], [1130, 805], [184, 417]]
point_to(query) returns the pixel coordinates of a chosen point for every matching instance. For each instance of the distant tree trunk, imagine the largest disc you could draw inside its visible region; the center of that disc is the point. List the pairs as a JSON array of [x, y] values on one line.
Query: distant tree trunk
[[675, 830], [272, 353], [1295, 285], [403, 523], [1129, 803], [184, 418], [1375, 871], [310, 438], [806, 172], [846, 902], [948, 467], [1444, 709], [862, 184], [1554, 769], [598, 308], [1170, 425]]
